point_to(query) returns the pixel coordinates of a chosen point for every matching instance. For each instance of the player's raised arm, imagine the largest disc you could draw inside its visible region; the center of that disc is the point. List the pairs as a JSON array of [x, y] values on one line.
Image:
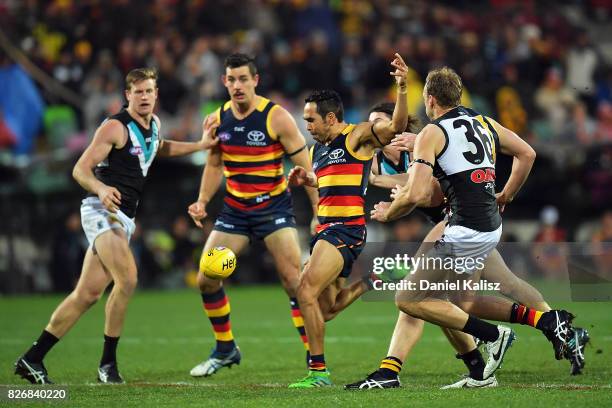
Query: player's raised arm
[[209, 185], [524, 156], [170, 148], [295, 147], [381, 132], [111, 133], [419, 186]]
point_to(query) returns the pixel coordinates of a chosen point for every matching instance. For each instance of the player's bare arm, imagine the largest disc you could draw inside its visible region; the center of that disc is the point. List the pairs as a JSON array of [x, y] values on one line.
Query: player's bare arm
[[435, 199], [109, 135], [388, 181], [367, 136], [524, 156], [209, 185], [170, 148], [294, 144], [419, 188]]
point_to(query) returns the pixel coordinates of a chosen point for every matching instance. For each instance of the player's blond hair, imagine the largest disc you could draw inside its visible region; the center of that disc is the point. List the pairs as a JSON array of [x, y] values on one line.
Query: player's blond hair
[[139, 74], [445, 85]]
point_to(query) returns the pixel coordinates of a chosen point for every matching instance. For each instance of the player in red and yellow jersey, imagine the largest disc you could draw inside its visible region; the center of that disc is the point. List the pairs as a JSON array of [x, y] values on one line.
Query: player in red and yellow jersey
[[254, 136], [341, 158]]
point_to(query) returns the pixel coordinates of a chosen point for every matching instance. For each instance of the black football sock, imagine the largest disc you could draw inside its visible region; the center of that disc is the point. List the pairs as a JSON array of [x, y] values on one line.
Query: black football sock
[[390, 367], [474, 362], [485, 331], [41, 347], [109, 354]]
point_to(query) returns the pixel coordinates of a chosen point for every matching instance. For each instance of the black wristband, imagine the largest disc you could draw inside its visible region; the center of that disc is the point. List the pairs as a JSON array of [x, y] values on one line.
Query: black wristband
[[423, 162]]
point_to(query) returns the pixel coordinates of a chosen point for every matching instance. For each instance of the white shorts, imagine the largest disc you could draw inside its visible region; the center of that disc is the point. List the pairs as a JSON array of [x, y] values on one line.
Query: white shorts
[[96, 219], [466, 243]]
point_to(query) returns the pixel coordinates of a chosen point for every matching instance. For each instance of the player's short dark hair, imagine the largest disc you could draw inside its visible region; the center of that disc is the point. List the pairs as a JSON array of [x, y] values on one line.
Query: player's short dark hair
[[237, 60], [139, 74], [327, 101], [413, 125], [445, 85]]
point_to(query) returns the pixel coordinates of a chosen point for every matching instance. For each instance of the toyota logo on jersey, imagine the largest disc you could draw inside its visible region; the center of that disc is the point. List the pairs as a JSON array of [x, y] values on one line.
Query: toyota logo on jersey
[[336, 154], [256, 136]]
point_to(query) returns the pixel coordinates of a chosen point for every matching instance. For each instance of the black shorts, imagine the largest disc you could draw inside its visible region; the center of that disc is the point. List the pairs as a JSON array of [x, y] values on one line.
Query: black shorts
[[348, 239], [259, 223]]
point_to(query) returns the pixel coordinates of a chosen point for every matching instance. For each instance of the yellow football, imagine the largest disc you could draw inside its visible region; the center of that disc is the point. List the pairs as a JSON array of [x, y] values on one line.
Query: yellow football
[[218, 262]]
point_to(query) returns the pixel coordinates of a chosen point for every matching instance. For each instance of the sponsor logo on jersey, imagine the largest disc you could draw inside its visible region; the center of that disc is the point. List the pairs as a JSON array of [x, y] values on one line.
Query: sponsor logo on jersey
[[135, 150], [224, 225], [336, 156], [279, 221], [262, 198], [483, 176], [224, 136], [256, 138]]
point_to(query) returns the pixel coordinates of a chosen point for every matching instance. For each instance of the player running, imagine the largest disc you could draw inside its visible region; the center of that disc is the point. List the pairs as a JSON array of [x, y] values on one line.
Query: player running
[[475, 225], [408, 329], [121, 152], [255, 135]]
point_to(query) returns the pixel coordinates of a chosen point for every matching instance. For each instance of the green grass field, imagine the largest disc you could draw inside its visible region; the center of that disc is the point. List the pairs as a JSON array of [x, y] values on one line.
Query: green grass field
[[167, 333]]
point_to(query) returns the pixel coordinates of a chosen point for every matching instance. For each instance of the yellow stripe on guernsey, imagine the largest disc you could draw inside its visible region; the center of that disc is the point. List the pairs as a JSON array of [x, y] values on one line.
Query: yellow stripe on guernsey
[[222, 311], [261, 173], [339, 211], [263, 102], [489, 134], [347, 130], [271, 131], [251, 158], [276, 191], [340, 180]]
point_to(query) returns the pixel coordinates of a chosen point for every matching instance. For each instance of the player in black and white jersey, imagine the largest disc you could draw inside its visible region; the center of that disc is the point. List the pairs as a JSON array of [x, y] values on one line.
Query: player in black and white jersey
[[121, 152], [459, 148], [408, 329]]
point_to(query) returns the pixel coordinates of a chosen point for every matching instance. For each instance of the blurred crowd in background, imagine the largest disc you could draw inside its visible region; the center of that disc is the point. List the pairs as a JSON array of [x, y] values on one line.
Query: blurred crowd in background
[[541, 68]]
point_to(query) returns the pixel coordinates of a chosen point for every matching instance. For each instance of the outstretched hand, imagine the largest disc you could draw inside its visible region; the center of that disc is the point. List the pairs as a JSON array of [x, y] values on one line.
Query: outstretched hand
[[401, 71], [209, 135], [379, 213]]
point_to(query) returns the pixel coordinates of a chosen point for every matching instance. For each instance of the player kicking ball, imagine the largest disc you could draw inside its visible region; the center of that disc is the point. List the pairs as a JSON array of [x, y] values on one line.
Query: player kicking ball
[[341, 159]]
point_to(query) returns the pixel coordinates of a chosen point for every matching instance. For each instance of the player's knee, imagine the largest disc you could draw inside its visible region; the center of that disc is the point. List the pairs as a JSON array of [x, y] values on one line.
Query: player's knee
[[127, 286], [88, 297], [465, 305], [306, 292], [208, 285], [290, 283], [410, 308]]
